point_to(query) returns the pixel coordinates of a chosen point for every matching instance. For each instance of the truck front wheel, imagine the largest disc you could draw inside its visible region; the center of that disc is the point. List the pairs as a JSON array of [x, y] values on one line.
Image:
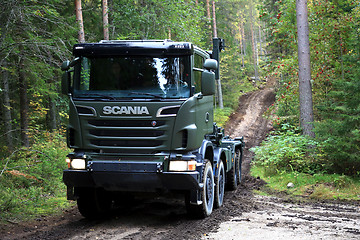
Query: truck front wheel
[[206, 195], [93, 203]]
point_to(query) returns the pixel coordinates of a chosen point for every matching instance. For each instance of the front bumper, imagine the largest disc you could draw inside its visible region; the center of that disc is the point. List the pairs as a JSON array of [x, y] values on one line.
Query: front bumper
[[131, 177]]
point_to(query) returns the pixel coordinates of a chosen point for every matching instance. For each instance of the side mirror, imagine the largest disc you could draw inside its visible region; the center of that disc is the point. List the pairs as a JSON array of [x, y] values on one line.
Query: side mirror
[[210, 64], [65, 65], [66, 77], [208, 82], [65, 83]]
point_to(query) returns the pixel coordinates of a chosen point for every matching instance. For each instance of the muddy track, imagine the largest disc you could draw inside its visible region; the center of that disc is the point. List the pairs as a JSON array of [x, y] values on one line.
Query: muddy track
[[166, 219]]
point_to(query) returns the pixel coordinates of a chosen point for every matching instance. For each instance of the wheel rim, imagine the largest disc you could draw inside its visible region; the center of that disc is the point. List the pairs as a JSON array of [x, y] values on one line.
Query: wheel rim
[[209, 189], [221, 184]]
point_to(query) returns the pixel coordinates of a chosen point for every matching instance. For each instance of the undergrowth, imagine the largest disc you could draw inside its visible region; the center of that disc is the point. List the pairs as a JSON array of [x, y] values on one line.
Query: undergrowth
[[286, 156], [221, 116], [317, 186], [31, 180], [288, 150]]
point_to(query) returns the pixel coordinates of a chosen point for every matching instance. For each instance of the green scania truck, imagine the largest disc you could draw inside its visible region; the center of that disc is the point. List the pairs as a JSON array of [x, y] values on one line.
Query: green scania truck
[[141, 121]]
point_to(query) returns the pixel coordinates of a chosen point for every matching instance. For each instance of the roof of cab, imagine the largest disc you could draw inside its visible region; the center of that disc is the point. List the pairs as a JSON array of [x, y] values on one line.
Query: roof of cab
[[134, 47]]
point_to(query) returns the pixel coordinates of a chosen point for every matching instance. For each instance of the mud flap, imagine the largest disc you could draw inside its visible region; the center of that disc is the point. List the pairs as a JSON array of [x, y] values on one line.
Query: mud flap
[[70, 193]]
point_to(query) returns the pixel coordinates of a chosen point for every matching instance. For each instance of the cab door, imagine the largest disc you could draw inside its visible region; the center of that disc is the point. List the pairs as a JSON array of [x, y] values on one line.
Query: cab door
[[204, 104]]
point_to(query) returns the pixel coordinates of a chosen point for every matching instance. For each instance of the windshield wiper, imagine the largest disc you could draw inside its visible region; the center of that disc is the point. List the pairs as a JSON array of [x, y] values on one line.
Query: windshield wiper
[[147, 94], [97, 96]]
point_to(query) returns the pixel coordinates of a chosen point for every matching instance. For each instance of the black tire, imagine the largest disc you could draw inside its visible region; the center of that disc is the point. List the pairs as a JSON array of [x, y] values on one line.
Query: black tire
[[93, 203], [234, 175], [206, 193], [238, 163], [220, 186]]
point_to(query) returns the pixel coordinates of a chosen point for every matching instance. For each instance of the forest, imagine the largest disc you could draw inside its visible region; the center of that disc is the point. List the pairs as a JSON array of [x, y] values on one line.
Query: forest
[[261, 47]]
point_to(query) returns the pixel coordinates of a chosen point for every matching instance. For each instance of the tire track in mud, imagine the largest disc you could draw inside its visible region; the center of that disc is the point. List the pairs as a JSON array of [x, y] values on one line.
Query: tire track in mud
[[283, 220], [248, 121]]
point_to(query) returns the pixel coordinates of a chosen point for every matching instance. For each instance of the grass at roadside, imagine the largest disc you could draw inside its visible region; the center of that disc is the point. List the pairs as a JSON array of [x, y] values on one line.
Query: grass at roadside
[[316, 186], [31, 180], [221, 116]]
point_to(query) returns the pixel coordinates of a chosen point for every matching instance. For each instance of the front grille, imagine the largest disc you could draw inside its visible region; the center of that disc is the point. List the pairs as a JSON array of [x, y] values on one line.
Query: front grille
[[125, 134], [126, 143], [125, 123]]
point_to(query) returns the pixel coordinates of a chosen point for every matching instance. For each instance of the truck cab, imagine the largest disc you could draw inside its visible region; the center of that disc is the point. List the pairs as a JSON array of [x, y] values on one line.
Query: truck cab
[[141, 121]]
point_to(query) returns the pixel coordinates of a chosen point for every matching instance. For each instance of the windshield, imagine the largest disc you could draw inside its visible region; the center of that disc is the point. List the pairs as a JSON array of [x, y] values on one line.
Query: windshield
[[132, 77]]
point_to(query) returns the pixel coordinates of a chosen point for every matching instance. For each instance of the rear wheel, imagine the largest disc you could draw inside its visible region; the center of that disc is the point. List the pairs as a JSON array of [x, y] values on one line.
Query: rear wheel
[[220, 186], [234, 175], [206, 193], [93, 203], [238, 166]]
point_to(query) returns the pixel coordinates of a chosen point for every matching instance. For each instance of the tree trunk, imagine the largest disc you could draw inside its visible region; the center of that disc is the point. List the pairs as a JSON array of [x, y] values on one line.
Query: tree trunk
[[341, 43], [253, 44], [214, 20], [221, 104], [52, 115], [209, 20], [305, 94], [110, 13], [244, 39], [79, 20], [105, 19], [241, 46], [7, 108], [24, 104], [260, 41]]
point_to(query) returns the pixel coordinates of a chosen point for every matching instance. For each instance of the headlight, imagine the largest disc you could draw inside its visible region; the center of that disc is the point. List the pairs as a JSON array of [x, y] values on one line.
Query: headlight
[[180, 166], [78, 163]]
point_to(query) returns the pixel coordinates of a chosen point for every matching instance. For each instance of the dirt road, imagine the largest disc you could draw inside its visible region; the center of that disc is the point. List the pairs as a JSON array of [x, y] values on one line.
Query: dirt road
[[243, 215]]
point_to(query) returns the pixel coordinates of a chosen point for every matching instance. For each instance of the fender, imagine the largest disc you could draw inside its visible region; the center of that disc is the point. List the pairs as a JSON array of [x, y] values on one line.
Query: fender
[[202, 150], [217, 158]]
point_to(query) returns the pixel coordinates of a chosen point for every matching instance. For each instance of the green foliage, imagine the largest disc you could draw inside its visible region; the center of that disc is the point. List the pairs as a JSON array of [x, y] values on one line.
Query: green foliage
[[221, 116], [157, 19], [315, 186], [288, 151], [31, 180], [334, 50], [234, 79]]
